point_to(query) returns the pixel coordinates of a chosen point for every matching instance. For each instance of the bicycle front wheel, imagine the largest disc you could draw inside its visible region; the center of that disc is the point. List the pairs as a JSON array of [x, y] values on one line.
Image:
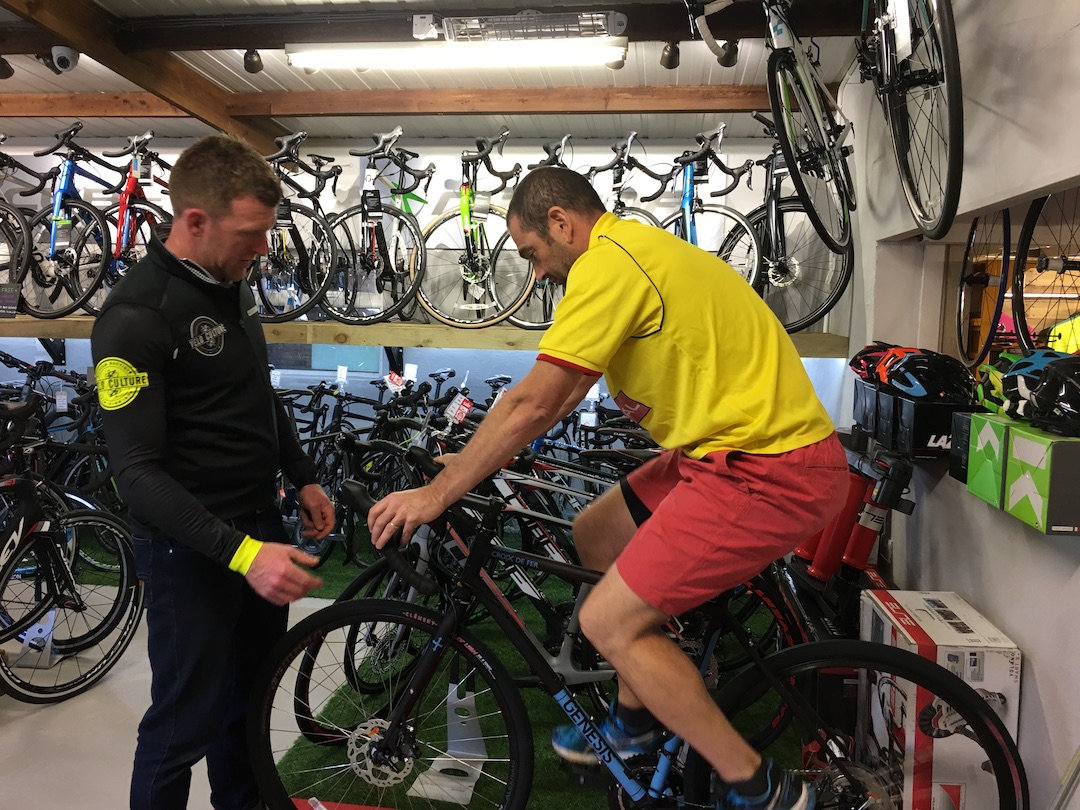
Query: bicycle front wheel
[[14, 243], [380, 265], [298, 267], [984, 281], [1046, 278], [865, 724], [467, 741], [94, 610], [712, 226], [925, 112], [142, 221], [802, 278], [462, 284], [57, 281], [817, 165]]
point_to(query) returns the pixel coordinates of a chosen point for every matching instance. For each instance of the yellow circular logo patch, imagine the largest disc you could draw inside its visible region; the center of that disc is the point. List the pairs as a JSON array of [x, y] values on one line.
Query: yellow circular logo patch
[[118, 382]]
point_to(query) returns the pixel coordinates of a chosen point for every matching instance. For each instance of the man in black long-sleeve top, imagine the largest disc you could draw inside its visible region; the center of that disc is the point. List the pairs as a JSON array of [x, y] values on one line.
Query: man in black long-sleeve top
[[196, 438]]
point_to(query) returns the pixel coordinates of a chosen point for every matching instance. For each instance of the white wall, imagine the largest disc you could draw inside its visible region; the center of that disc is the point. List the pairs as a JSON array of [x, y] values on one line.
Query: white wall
[[1020, 63]]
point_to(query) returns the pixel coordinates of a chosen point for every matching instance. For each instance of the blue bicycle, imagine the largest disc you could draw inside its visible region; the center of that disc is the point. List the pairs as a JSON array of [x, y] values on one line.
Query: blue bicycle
[[70, 246]]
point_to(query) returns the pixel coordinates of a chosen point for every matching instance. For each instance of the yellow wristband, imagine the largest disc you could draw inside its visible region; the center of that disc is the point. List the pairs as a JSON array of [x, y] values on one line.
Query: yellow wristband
[[245, 555]]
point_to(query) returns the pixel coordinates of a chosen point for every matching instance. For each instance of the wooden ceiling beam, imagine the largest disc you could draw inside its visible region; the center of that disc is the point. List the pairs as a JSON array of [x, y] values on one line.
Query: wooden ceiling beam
[[86, 28], [533, 101], [88, 105], [661, 22]]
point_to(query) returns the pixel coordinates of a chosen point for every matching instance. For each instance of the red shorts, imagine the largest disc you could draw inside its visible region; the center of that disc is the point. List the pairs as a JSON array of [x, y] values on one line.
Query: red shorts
[[706, 525]]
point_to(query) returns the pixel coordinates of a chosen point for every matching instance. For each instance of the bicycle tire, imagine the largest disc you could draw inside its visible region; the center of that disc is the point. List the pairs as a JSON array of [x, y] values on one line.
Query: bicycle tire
[[367, 288], [87, 640], [288, 710], [294, 274], [712, 225], [640, 214], [860, 666], [53, 287], [1046, 292], [819, 175], [471, 292], [981, 291], [145, 221], [804, 285], [926, 117], [14, 243], [537, 309]]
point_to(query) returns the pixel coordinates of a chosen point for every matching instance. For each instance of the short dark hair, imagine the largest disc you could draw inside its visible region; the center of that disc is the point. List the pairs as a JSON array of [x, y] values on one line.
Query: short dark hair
[[547, 186], [218, 169]]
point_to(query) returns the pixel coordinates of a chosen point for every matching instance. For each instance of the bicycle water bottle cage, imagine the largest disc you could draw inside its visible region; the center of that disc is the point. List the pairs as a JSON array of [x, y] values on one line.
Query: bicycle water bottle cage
[[481, 206]]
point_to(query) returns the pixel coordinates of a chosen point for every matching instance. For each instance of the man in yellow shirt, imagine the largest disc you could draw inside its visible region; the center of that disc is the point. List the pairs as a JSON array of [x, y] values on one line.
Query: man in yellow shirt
[[753, 466]]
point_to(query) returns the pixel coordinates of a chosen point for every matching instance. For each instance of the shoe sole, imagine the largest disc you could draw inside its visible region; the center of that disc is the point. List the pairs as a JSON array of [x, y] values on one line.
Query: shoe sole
[[575, 757]]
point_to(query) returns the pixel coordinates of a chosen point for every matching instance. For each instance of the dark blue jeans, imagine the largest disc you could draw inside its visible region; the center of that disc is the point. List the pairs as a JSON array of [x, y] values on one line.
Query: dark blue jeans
[[208, 634]]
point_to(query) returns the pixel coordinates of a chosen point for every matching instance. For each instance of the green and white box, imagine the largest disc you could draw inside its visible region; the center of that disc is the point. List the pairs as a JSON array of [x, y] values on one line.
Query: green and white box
[[988, 446], [1041, 471]]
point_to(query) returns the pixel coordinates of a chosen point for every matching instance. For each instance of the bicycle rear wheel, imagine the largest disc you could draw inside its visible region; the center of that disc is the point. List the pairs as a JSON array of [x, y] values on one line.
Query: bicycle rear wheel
[[818, 166], [713, 224], [984, 281], [467, 741], [14, 243], [1046, 275], [293, 276], [881, 709], [802, 278], [94, 609], [380, 267], [143, 222], [462, 285], [57, 282], [925, 112]]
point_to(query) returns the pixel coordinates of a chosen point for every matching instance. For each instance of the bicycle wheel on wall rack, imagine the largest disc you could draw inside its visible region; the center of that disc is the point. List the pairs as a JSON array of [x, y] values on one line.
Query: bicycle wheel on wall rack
[[311, 733], [818, 169], [801, 277], [1046, 275], [713, 224], [923, 103], [462, 285], [380, 265], [984, 283], [14, 243], [878, 707], [144, 220], [298, 267], [57, 285]]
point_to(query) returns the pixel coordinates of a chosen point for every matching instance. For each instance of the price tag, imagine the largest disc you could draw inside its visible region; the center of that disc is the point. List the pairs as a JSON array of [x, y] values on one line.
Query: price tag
[[275, 377], [588, 419], [395, 382], [9, 301], [61, 401], [342, 374], [458, 409], [410, 371]]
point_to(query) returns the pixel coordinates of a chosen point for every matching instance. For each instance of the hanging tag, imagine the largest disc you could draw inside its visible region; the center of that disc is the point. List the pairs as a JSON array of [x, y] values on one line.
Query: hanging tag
[[275, 378], [395, 382], [458, 409], [63, 232], [342, 374], [594, 392], [410, 371], [588, 419], [61, 401]]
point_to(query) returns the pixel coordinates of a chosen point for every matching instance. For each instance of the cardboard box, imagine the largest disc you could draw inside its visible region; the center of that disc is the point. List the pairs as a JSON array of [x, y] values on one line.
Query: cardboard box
[[961, 446], [941, 767], [988, 449], [885, 428], [924, 429], [865, 410], [1041, 471]]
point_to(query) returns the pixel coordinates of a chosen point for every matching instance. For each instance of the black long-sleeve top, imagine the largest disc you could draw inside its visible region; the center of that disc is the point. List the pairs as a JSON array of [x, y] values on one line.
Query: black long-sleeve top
[[196, 434]]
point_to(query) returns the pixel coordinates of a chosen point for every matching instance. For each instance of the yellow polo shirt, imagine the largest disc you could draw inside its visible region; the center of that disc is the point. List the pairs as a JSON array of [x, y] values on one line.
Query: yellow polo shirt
[[688, 349]]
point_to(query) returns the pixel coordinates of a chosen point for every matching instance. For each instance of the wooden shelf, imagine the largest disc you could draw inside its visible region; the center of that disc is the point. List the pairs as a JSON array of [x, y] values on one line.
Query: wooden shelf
[[421, 336]]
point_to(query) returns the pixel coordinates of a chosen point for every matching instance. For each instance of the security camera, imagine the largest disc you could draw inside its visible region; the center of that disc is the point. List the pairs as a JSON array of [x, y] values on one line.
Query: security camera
[[65, 59]]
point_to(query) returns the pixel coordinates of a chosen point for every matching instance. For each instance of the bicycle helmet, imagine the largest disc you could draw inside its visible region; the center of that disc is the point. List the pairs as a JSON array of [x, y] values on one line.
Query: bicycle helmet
[[929, 375], [1018, 382], [1055, 401], [889, 358], [864, 361]]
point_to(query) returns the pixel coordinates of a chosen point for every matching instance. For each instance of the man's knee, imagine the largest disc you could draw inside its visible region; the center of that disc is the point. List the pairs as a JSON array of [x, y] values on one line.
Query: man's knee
[[613, 616]]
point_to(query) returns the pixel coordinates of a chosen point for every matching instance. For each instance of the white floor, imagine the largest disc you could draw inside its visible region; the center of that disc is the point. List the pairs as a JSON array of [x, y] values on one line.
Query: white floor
[[76, 755]]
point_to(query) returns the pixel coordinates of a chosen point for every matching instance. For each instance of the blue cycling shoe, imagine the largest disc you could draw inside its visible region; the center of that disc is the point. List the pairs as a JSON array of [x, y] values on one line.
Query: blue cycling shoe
[[783, 793], [571, 745]]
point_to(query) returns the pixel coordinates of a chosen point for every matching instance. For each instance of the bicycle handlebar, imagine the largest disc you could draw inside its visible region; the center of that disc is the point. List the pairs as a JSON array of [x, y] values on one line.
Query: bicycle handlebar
[[65, 139], [384, 142], [483, 155], [62, 139], [135, 144], [621, 150], [386, 148], [554, 151]]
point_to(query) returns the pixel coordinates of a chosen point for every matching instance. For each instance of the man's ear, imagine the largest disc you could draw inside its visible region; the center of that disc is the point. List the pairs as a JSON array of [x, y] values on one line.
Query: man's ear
[[196, 221], [560, 224]]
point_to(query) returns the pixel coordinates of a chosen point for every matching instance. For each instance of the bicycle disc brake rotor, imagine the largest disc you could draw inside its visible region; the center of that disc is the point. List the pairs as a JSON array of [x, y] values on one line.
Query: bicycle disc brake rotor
[[362, 763], [784, 273], [874, 790], [476, 270]]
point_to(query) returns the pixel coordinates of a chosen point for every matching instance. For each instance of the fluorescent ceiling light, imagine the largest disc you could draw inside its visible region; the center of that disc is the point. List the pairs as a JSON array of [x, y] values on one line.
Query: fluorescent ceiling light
[[490, 54]]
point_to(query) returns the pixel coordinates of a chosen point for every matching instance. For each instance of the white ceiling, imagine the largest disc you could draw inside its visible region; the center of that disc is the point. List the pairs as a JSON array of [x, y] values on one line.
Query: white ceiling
[[225, 68]]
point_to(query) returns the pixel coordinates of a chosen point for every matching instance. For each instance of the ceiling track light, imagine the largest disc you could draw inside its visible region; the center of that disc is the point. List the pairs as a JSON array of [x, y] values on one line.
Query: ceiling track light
[[669, 57], [253, 62], [6, 70]]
